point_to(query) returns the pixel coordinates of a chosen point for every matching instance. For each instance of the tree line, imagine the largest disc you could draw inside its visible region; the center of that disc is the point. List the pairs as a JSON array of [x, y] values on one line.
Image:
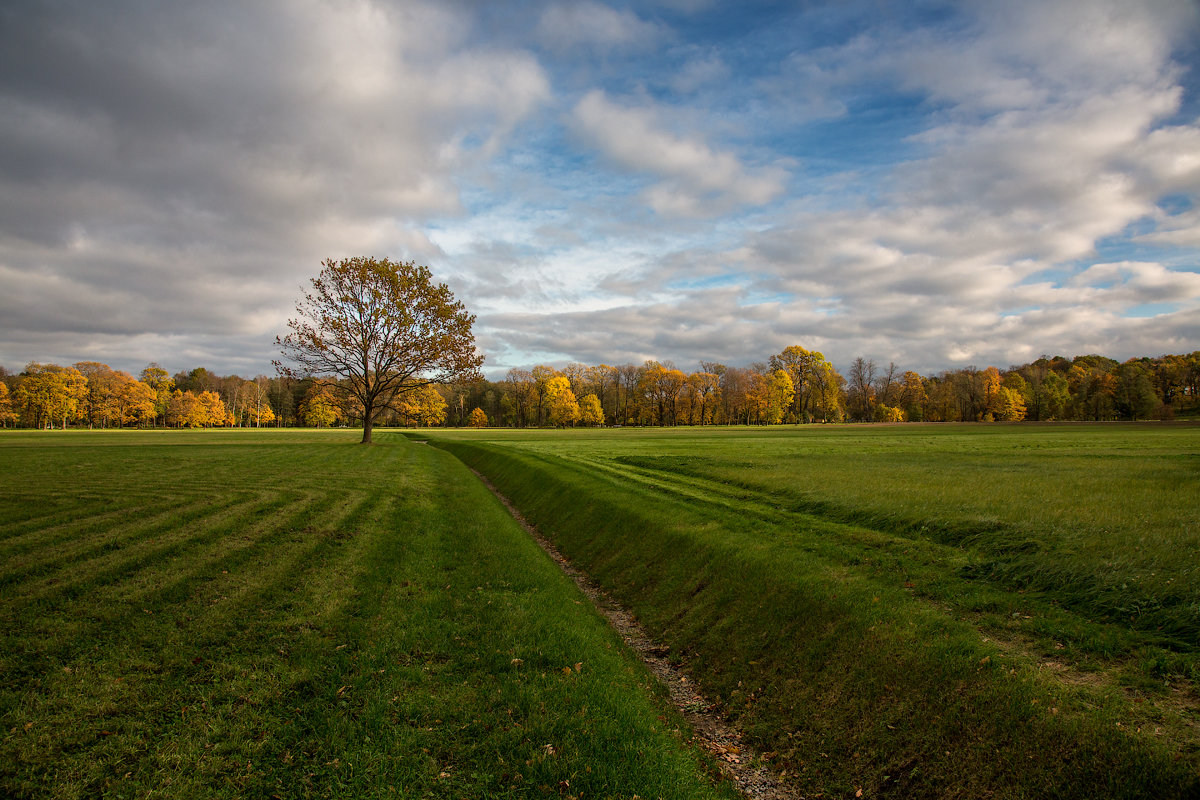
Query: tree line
[[799, 386], [793, 386]]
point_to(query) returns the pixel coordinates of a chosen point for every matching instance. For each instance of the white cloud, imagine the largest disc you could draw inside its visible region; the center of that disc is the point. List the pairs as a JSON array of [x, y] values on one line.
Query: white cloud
[[185, 171], [699, 73], [695, 179], [1047, 144], [1131, 283], [564, 26]]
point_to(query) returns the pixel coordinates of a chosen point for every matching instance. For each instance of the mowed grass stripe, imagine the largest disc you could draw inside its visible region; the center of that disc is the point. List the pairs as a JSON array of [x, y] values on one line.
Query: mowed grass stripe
[[122, 594], [60, 546], [162, 624], [170, 539], [388, 632], [71, 513], [165, 568], [259, 580], [27, 516], [204, 570]]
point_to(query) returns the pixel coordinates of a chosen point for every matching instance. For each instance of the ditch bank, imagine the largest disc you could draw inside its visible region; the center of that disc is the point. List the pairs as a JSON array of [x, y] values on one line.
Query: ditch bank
[[849, 686], [738, 762]]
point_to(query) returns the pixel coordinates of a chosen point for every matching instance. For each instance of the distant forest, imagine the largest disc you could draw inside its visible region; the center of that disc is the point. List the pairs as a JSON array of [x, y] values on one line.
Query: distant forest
[[791, 387]]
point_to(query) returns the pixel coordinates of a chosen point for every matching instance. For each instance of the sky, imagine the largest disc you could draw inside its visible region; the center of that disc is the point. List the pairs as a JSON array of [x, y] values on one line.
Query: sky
[[934, 184]]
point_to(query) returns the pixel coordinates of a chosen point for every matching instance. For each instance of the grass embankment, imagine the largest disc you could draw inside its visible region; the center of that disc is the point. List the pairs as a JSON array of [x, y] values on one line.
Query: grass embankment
[[951, 611], [237, 614]]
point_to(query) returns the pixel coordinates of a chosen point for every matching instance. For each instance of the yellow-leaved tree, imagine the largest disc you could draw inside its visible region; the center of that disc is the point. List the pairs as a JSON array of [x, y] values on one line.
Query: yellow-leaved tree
[[7, 415], [888, 414], [191, 410], [319, 409], [99, 405], [561, 407], [162, 384], [478, 418], [422, 406], [590, 411], [49, 393], [134, 401]]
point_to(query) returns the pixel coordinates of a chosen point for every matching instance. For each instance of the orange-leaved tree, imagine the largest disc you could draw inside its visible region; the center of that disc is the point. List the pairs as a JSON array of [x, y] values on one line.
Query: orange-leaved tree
[[384, 328], [49, 393]]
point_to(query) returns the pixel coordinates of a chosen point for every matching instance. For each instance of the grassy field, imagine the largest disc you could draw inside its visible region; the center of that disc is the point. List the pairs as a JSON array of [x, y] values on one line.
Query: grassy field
[[288, 614], [1008, 611]]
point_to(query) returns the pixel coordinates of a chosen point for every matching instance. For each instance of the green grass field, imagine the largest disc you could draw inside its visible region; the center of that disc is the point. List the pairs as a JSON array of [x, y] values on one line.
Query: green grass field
[[288, 614], [1008, 611]]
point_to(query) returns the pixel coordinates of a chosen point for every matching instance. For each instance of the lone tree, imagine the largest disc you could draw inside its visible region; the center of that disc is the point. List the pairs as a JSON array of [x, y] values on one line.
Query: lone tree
[[381, 329]]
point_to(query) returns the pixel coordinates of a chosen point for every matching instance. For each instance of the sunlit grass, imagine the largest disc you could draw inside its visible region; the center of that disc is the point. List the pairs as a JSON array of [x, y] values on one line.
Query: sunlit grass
[[206, 614], [1006, 610]]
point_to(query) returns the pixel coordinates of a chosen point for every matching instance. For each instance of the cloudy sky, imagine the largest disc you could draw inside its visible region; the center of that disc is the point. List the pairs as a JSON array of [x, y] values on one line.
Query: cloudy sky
[[935, 184]]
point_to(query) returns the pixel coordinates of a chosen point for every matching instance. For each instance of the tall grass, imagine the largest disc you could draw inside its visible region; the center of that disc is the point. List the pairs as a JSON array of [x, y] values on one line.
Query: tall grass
[[261, 614], [924, 611]]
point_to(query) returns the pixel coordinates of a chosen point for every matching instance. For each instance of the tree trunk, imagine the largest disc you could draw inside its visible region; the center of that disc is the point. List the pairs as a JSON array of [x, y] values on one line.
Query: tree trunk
[[368, 418]]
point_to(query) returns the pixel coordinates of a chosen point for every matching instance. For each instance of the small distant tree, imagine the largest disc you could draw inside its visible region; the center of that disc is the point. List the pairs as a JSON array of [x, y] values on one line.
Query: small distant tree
[[134, 401], [261, 414], [560, 401], [888, 414], [590, 411], [318, 409], [1133, 391], [422, 406], [258, 406], [478, 418], [384, 328], [49, 393], [212, 411], [162, 384], [7, 415]]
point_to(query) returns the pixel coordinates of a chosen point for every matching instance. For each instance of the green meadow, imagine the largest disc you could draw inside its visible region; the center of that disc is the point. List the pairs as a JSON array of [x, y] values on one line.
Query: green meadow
[[289, 614], [909, 611], [897, 611]]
